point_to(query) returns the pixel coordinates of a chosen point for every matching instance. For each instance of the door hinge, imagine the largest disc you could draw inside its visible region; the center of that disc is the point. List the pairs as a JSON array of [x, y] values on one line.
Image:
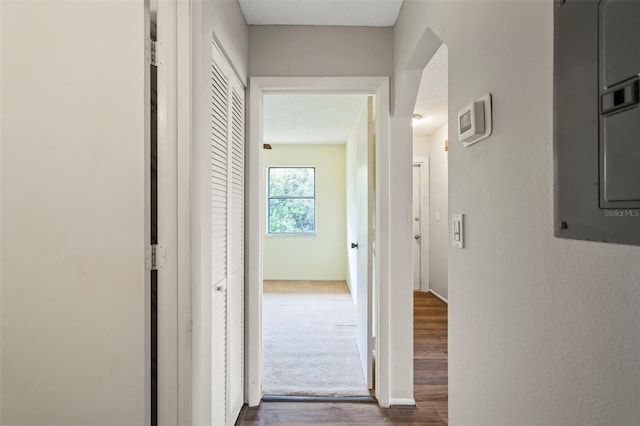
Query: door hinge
[[154, 52], [155, 257]]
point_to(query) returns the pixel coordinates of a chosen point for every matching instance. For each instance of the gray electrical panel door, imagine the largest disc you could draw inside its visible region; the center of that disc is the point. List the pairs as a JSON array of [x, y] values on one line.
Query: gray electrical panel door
[[597, 120]]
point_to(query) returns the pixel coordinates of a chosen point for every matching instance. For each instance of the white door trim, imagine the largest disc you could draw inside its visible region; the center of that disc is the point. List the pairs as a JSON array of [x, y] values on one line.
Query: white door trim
[[425, 218], [183, 178], [254, 225], [167, 338], [174, 213]]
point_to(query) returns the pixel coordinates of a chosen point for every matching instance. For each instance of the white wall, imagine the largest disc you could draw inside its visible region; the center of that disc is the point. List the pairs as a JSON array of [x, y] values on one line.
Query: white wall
[[358, 133], [320, 256], [225, 19], [421, 145], [401, 243], [542, 330], [439, 203], [74, 299]]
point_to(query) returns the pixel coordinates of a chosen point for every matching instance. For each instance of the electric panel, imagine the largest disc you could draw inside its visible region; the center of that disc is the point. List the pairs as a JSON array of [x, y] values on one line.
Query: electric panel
[[597, 120]]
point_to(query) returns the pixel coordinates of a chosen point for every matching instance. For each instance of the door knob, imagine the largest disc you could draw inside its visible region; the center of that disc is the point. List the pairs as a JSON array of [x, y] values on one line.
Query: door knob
[[354, 245], [417, 237]]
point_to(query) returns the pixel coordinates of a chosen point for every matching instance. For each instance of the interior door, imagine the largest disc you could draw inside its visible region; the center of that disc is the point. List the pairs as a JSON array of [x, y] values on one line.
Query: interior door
[[219, 235], [417, 221], [235, 293], [227, 240], [74, 214], [366, 191]]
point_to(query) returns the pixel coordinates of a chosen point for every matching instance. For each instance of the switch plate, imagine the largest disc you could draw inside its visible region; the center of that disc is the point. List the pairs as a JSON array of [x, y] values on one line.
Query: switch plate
[[457, 230], [437, 215]]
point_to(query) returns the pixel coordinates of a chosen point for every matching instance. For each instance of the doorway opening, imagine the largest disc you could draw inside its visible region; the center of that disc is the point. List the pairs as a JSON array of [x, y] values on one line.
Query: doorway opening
[[431, 228], [261, 256], [430, 169], [316, 312]]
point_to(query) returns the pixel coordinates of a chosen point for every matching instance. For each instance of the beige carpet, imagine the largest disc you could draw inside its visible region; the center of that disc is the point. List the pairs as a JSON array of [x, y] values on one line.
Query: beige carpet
[[310, 343]]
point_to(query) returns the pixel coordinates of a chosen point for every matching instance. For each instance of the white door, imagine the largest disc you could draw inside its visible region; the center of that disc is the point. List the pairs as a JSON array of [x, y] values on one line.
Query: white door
[[417, 221], [219, 235], [75, 292], [420, 219], [235, 292], [366, 191], [227, 213]]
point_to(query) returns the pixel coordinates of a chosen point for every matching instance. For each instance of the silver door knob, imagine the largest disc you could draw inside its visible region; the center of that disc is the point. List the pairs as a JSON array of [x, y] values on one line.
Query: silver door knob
[[417, 237]]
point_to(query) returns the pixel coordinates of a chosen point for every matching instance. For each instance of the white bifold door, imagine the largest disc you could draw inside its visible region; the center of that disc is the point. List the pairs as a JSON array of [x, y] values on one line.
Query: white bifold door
[[227, 212]]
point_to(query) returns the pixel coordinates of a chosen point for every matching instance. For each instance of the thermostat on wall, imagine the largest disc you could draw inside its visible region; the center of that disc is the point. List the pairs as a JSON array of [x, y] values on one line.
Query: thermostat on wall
[[474, 121]]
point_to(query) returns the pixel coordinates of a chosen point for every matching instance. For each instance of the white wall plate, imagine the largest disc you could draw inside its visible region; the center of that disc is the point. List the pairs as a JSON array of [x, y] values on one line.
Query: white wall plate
[[488, 119]]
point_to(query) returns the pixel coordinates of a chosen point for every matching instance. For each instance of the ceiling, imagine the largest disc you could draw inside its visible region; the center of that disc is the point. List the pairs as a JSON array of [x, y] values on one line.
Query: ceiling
[[357, 13], [309, 118], [432, 100]]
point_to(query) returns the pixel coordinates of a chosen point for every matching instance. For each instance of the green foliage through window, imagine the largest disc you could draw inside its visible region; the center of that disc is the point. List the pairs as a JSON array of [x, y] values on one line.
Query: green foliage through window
[[291, 200]]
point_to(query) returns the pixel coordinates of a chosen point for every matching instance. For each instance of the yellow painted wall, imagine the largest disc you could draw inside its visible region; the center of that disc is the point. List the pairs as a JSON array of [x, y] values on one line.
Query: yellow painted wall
[[312, 257]]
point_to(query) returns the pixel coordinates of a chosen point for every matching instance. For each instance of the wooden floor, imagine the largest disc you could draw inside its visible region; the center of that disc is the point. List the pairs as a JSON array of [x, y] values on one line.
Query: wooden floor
[[430, 365]]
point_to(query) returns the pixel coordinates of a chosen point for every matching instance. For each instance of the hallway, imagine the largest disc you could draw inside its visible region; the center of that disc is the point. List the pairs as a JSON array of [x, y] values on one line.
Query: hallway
[[430, 381]]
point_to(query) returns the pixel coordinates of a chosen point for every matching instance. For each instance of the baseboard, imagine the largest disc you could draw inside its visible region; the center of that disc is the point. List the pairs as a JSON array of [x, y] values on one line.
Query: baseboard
[[402, 401], [241, 416], [297, 398], [438, 296], [307, 280]]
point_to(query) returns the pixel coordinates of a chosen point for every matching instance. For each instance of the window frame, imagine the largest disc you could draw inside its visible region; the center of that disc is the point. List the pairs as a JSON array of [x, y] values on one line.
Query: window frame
[[280, 197]]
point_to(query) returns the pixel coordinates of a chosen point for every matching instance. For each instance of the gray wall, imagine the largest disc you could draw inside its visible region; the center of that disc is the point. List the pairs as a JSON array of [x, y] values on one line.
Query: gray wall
[[320, 51], [542, 330], [223, 19]]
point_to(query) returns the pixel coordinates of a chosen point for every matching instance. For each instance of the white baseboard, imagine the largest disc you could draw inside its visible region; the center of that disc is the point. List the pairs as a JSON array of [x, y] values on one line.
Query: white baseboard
[[402, 401], [438, 296]]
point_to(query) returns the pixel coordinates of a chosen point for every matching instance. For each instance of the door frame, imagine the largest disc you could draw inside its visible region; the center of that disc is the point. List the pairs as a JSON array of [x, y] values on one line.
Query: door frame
[[174, 212], [254, 223], [423, 162]]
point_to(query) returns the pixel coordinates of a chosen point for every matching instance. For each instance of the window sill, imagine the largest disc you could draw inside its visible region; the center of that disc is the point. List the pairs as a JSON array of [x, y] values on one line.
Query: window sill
[[306, 234]]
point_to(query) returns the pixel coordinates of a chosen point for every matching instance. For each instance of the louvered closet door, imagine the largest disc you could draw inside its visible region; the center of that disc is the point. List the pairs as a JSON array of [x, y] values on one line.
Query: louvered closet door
[[227, 195], [219, 237], [235, 293]]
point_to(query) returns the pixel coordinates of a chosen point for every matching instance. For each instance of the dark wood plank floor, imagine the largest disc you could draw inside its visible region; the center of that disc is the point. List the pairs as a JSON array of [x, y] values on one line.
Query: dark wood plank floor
[[430, 365]]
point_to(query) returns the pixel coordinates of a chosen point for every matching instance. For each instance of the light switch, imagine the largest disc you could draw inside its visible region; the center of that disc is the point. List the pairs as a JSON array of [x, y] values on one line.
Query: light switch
[[457, 230], [437, 215]]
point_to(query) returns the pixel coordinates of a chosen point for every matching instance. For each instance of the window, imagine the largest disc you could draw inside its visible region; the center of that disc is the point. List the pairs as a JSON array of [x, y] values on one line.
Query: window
[[291, 200]]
